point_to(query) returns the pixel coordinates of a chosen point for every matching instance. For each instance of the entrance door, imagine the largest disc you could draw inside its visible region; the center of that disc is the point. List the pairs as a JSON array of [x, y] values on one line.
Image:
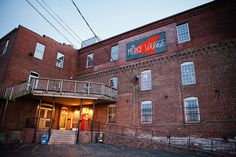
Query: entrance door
[[75, 119], [63, 118], [44, 117]]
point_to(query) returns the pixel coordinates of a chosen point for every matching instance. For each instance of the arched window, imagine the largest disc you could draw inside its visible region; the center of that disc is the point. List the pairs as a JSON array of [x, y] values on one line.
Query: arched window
[[191, 110], [188, 73], [146, 80], [113, 82]]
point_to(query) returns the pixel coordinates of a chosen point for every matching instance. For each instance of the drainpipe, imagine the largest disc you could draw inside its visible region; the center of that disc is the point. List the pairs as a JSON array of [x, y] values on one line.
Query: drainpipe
[[51, 118], [4, 113], [92, 123], [36, 121], [79, 122]]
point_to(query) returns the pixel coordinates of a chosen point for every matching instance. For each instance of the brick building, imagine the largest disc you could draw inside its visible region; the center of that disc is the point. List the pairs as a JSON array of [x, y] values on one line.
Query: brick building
[[174, 76]]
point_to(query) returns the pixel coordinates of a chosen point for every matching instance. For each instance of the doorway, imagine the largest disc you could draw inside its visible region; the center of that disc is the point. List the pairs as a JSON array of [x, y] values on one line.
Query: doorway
[[45, 114], [63, 118]]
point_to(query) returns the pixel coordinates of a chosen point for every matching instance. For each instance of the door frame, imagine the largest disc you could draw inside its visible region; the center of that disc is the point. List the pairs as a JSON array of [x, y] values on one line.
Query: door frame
[[60, 125]]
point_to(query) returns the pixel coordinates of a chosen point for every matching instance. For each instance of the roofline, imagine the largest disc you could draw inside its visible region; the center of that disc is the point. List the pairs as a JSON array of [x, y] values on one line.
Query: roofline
[[150, 24], [13, 30]]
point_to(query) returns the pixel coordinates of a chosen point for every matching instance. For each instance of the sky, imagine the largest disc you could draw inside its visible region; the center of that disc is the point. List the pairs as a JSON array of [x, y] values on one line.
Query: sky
[[106, 17]]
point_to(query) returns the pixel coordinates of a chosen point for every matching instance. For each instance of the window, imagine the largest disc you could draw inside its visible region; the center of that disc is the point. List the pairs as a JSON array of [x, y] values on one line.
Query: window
[[111, 116], [146, 80], [89, 62], [188, 73], [114, 53], [113, 82], [39, 51], [5, 48], [146, 112], [191, 110], [60, 60], [183, 33], [33, 75]]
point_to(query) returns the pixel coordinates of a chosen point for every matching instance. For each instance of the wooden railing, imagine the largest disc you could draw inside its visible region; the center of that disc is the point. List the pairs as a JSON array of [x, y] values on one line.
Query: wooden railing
[[62, 88], [15, 91], [72, 88]]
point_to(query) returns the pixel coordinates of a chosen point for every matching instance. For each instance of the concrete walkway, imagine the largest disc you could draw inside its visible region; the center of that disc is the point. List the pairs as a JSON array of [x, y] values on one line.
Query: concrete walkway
[[85, 150]]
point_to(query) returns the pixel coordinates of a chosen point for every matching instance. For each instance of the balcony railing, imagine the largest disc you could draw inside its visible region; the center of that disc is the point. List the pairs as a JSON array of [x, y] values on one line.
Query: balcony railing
[[60, 88], [72, 88]]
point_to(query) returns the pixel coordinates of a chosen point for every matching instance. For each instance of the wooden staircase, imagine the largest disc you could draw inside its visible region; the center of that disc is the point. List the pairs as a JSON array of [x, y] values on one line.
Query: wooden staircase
[[62, 137]]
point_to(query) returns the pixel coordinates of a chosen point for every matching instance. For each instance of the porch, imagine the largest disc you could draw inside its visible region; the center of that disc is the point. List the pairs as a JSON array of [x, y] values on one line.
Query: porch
[[61, 104]]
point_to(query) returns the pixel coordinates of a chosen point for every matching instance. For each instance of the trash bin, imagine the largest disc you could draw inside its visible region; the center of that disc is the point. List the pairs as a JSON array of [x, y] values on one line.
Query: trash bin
[[44, 138], [100, 137]]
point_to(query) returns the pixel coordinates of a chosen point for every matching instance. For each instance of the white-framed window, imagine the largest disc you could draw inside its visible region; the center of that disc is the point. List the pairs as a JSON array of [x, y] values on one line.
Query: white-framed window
[[146, 112], [191, 110], [89, 62], [33, 75], [188, 73], [111, 114], [39, 51], [5, 48], [146, 80], [113, 82], [183, 33], [114, 52], [60, 60]]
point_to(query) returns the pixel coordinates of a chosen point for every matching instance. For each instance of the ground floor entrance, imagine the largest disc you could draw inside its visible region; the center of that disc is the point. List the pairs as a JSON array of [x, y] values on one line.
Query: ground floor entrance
[[63, 117]]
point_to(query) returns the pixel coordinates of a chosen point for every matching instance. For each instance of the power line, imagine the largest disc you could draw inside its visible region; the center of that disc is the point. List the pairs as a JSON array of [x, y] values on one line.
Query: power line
[[49, 22], [61, 20], [97, 36], [57, 21]]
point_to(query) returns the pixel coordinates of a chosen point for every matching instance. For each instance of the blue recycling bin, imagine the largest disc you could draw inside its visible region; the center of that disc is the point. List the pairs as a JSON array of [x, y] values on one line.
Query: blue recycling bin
[[44, 138]]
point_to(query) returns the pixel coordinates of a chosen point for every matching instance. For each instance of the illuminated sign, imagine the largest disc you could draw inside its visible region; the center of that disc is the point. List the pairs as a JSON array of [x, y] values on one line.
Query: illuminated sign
[[146, 46]]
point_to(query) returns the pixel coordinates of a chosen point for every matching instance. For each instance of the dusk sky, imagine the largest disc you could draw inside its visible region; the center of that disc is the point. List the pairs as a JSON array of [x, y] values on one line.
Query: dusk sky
[[107, 17]]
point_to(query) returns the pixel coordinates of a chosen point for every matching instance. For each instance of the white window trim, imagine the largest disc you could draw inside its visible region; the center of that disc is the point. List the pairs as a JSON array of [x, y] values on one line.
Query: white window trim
[[4, 51], [142, 103], [141, 82], [33, 76], [179, 42], [57, 65], [37, 51], [108, 114], [88, 66], [185, 115], [187, 63], [112, 59], [116, 81]]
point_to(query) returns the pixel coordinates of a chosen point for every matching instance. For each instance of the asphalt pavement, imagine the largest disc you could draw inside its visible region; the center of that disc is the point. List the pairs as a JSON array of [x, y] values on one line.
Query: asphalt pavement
[[86, 150]]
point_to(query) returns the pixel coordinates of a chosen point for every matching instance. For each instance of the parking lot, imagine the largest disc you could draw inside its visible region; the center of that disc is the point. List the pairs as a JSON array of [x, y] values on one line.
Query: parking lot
[[85, 150]]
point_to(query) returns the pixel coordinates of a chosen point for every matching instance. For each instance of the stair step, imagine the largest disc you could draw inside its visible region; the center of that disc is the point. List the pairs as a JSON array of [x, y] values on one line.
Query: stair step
[[62, 137]]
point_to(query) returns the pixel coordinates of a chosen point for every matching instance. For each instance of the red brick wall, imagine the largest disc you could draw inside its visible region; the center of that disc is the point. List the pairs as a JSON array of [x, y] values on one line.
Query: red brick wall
[[4, 59], [211, 50], [23, 61], [211, 23]]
